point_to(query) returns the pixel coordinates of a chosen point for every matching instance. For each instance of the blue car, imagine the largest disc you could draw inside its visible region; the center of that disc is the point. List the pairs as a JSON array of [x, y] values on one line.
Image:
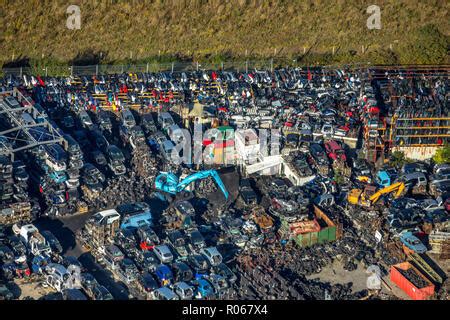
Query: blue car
[[204, 289], [412, 242], [164, 275], [154, 145], [383, 179]]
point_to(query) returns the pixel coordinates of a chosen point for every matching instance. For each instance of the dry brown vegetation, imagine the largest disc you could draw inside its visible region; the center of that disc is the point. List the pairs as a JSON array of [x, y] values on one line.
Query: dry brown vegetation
[[220, 29]]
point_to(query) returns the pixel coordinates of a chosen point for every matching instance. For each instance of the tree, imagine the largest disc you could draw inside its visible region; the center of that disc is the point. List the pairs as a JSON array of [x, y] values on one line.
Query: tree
[[398, 159], [442, 155]]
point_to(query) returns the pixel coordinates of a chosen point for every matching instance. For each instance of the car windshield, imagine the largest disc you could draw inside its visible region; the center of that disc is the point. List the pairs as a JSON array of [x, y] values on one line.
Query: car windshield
[[116, 153]]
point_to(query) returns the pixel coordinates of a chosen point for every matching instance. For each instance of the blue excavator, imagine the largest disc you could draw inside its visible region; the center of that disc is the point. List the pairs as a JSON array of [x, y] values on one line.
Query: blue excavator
[[170, 183]]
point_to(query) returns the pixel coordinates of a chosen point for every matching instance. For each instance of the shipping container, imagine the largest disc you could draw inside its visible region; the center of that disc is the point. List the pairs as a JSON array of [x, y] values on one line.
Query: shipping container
[[325, 234], [407, 286]]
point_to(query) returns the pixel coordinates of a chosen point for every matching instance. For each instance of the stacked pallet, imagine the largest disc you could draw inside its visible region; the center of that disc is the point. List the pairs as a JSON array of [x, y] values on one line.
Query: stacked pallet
[[440, 243]]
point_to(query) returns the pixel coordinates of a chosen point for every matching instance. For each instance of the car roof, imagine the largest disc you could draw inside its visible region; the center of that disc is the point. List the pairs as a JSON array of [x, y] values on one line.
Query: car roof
[[383, 175], [163, 248], [212, 250], [182, 285]]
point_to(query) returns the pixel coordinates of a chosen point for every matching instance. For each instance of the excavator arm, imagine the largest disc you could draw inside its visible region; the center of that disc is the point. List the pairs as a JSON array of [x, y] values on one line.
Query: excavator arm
[[399, 187], [170, 183]]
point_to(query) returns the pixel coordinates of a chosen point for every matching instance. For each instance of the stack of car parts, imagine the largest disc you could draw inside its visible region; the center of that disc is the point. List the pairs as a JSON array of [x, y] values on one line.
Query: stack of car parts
[[6, 178]]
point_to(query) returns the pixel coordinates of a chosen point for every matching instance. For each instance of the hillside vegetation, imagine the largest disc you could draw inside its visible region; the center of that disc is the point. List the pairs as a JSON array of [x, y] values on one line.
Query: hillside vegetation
[[112, 31]]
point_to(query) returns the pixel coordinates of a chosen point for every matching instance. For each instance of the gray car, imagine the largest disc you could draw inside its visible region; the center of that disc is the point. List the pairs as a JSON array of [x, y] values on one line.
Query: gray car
[[163, 253]]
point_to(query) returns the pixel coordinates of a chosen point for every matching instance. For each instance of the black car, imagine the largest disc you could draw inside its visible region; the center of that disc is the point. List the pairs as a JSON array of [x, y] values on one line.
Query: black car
[[104, 121], [2, 233], [6, 254], [20, 172], [182, 272], [147, 236], [125, 239], [361, 168], [71, 260], [176, 239], [98, 158], [88, 282], [415, 167], [98, 139], [148, 124], [147, 283], [53, 242], [246, 191], [90, 170], [101, 293], [199, 264], [196, 240], [73, 294], [68, 122], [147, 261], [278, 185], [116, 160], [5, 293], [53, 296], [17, 246], [292, 140], [82, 139], [223, 270], [318, 153]]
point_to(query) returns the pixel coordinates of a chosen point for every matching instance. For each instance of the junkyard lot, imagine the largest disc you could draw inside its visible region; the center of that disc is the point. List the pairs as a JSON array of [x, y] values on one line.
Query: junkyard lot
[[66, 227]]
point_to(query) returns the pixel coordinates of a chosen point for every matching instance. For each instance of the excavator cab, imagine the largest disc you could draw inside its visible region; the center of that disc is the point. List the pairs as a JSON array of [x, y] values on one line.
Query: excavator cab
[[368, 192], [369, 196]]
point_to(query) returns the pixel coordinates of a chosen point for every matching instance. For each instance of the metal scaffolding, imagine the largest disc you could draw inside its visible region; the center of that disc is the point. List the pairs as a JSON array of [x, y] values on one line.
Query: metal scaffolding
[[19, 132]]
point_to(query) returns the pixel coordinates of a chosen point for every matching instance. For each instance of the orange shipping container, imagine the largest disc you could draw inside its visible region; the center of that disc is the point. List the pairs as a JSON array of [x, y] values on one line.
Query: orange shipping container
[[304, 227], [406, 285]]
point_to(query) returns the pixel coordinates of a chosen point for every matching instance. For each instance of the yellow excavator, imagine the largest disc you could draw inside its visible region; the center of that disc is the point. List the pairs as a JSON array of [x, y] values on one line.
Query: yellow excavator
[[369, 196]]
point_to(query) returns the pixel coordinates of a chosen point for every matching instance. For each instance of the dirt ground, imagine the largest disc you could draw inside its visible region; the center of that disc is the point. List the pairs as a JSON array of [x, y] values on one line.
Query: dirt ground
[[335, 274], [30, 289]]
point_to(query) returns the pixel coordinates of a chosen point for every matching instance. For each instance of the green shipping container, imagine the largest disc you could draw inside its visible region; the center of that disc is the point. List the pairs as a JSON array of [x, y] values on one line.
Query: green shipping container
[[308, 239], [327, 234]]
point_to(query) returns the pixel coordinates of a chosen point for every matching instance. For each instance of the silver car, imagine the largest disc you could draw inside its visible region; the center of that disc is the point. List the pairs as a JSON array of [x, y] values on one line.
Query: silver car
[[163, 253]]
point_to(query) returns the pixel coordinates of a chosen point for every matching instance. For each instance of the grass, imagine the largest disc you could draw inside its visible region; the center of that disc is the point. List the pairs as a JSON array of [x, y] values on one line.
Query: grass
[[114, 31]]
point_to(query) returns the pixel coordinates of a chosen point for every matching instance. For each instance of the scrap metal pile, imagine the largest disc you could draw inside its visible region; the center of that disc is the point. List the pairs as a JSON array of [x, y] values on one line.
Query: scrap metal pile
[[412, 276], [169, 231]]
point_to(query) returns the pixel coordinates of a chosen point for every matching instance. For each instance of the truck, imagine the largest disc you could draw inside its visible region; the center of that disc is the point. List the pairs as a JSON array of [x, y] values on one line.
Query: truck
[[34, 240]]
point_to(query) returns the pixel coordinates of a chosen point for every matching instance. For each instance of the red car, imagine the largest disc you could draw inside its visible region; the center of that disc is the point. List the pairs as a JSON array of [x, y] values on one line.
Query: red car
[[335, 151]]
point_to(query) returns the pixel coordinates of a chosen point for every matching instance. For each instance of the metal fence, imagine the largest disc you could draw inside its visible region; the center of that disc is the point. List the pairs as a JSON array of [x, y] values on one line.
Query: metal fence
[[270, 64], [148, 67]]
